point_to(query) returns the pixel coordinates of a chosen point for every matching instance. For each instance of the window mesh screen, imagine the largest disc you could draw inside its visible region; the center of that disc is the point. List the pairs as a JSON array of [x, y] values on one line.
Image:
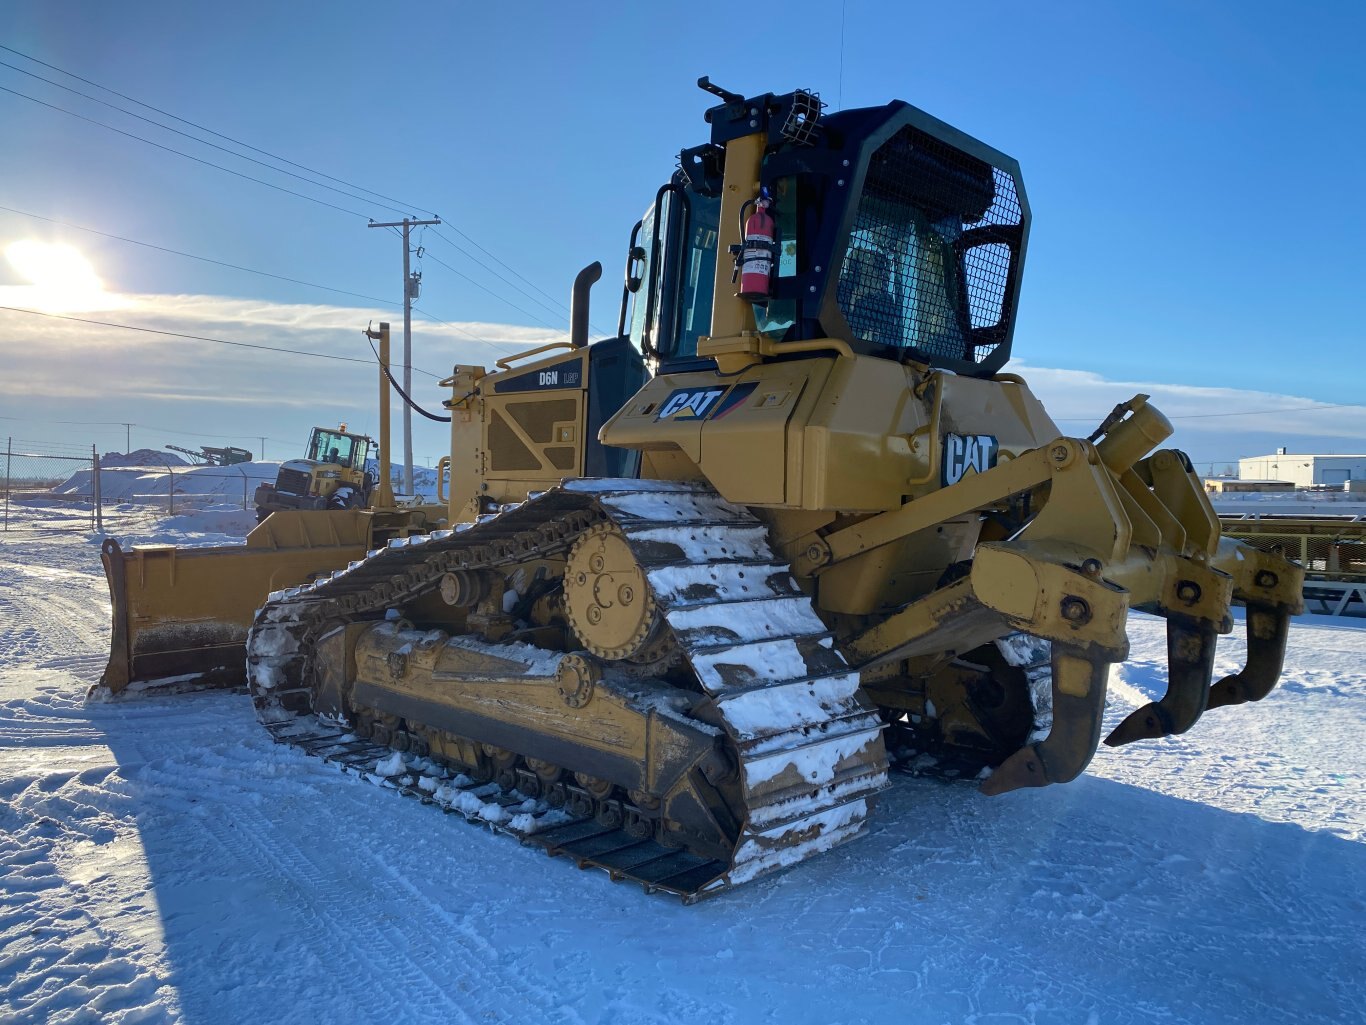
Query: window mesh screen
[[932, 250]]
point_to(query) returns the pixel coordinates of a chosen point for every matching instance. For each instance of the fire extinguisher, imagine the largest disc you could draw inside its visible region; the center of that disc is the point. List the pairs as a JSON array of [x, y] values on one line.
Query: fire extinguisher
[[754, 262]]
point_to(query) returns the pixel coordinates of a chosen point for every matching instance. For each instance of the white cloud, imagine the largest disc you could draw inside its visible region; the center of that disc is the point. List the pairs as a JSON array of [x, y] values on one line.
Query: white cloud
[[1210, 421], [71, 358]]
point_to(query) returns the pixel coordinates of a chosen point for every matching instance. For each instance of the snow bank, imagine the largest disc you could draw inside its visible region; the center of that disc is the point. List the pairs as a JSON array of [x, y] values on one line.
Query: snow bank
[[131, 483], [230, 520], [143, 457], [122, 482]]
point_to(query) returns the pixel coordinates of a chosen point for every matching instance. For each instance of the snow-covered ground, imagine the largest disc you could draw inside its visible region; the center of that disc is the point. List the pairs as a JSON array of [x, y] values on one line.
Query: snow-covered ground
[[132, 522], [163, 861], [1291, 503]]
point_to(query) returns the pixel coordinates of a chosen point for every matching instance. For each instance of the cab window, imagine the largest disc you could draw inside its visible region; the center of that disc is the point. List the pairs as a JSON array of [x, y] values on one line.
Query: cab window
[[698, 283], [335, 447], [900, 283], [681, 276]]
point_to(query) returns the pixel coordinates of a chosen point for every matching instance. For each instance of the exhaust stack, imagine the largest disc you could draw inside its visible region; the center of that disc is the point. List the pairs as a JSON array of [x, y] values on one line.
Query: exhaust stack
[[578, 303]]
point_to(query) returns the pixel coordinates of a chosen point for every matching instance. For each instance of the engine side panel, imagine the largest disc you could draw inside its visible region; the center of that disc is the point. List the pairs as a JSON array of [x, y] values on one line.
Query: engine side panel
[[849, 434]]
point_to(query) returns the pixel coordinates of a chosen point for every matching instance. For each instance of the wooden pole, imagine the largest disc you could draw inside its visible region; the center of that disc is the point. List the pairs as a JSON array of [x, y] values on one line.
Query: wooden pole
[[95, 489], [385, 498]]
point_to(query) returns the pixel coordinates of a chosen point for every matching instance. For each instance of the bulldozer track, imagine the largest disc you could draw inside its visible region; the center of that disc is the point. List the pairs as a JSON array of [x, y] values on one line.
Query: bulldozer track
[[789, 703]]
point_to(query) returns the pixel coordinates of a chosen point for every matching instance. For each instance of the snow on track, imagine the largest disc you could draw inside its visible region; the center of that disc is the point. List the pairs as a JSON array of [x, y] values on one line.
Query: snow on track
[[165, 861]]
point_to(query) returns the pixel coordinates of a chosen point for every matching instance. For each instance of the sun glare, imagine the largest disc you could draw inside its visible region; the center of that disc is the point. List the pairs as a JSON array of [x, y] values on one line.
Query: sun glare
[[61, 279]]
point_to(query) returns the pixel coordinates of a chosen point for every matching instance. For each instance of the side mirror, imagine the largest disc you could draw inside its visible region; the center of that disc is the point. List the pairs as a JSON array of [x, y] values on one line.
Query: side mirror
[[635, 269]]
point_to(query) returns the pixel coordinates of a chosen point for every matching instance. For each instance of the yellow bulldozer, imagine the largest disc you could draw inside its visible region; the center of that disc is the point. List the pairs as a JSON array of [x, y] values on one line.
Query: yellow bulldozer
[[679, 624]]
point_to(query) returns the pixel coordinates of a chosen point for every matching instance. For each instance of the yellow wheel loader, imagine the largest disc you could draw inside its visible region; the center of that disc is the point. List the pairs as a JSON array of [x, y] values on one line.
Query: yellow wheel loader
[[332, 475], [827, 536]]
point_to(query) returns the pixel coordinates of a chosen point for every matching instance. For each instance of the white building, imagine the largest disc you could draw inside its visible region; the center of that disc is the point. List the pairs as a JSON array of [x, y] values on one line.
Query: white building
[[1303, 469]]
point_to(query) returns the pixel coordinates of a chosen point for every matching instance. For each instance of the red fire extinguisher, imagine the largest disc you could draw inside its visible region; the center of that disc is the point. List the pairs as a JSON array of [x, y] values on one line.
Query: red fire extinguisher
[[755, 263]]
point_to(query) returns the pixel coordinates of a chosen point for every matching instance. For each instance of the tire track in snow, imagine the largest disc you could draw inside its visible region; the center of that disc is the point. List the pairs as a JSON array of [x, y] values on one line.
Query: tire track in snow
[[394, 950], [86, 668], [49, 614], [60, 962]]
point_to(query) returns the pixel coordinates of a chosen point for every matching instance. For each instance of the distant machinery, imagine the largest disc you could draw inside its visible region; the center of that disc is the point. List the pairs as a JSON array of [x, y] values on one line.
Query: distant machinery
[[208, 455]]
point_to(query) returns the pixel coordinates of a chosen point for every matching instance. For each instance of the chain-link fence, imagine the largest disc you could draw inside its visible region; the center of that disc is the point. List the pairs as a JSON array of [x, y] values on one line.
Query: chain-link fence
[[37, 494], [47, 488], [182, 488]]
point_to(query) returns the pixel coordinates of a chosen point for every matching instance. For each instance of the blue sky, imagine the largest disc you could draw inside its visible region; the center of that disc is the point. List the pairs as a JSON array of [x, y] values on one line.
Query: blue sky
[[1190, 167]]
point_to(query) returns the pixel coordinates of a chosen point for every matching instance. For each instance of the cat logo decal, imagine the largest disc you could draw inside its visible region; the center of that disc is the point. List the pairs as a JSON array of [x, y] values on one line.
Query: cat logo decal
[[689, 403], [968, 453]]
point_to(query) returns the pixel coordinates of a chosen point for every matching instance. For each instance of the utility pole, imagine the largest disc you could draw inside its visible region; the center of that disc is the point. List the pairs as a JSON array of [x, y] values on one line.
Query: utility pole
[[127, 438], [263, 451], [410, 282]]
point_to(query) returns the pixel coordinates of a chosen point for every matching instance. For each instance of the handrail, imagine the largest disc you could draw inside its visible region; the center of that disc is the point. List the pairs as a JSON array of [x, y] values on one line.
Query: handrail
[[442, 465], [655, 269], [507, 361], [929, 429], [838, 345]]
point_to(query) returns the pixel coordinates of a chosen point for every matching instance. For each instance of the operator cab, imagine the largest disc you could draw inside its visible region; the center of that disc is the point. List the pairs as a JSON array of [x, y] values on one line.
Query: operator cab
[[896, 233], [338, 448]]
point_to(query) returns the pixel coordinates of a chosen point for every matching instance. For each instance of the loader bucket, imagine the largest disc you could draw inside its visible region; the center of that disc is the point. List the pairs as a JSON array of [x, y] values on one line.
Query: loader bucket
[[181, 615]]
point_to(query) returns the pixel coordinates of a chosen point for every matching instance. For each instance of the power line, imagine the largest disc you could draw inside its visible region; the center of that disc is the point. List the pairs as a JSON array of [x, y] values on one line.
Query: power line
[[181, 153], [457, 327], [198, 434], [1283, 409], [1242, 412], [485, 288], [83, 423], [556, 307], [205, 338], [202, 128], [50, 444], [265, 274], [202, 142], [562, 309], [515, 273], [204, 259], [141, 427]]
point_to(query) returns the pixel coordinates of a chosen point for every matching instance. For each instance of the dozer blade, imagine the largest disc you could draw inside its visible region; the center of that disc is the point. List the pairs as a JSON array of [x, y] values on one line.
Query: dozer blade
[[181, 615], [1190, 666], [1078, 707], [1268, 628]]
